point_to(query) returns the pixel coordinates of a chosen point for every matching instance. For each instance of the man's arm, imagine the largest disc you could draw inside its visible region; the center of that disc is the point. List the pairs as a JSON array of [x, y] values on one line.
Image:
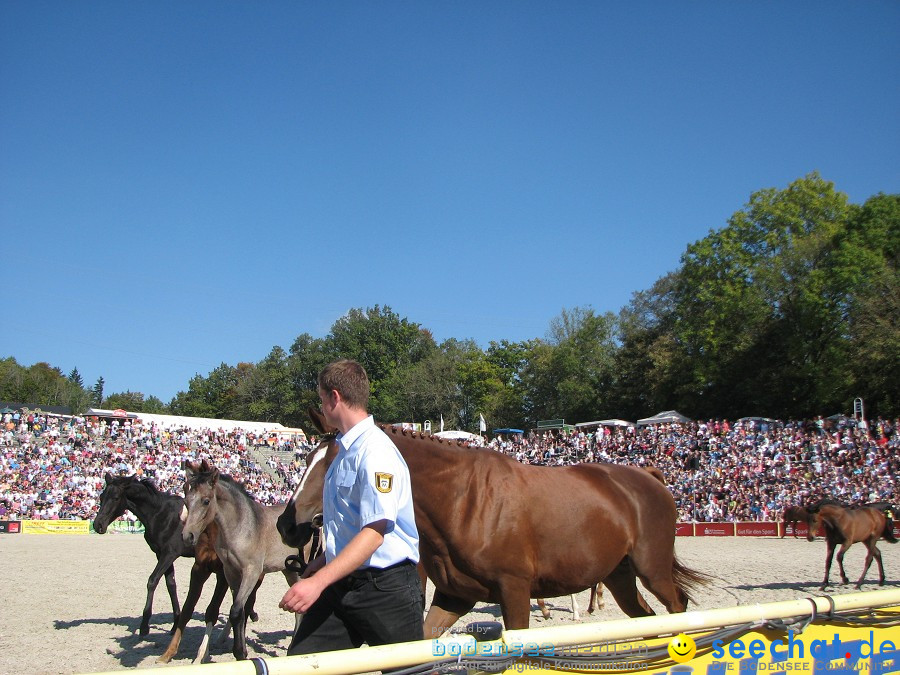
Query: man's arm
[[301, 596]]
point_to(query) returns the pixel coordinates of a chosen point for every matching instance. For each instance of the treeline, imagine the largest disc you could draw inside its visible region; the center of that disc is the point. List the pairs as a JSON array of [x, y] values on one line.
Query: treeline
[[790, 310]]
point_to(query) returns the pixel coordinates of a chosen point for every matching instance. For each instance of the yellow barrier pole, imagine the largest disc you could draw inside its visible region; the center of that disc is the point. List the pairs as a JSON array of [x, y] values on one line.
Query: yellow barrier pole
[[342, 662], [518, 641], [622, 629]]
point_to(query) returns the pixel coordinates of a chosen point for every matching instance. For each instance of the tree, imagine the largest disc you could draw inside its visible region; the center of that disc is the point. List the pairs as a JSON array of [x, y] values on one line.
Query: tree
[[75, 378], [385, 345], [97, 393], [757, 313]]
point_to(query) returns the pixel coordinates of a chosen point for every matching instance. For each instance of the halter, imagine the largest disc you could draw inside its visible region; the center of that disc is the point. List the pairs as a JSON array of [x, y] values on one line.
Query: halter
[[295, 563]]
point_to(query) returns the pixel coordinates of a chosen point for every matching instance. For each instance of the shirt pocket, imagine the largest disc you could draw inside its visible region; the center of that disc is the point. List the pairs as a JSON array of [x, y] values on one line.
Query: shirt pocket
[[345, 479]]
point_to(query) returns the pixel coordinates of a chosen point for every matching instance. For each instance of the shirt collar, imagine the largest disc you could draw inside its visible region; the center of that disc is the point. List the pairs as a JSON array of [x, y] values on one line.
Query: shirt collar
[[353, 433]]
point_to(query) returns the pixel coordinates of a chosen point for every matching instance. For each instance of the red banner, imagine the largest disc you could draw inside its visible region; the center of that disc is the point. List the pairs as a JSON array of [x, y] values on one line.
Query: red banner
[[756, 529], [714, 530], [684, 529]]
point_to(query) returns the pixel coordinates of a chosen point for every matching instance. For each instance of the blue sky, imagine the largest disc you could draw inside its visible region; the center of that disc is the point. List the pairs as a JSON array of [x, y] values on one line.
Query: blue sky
[[184, 184]]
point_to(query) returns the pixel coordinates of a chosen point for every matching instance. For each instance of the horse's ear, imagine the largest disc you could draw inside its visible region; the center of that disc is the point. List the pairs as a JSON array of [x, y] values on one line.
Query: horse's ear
[[318, 420], [107, 477], [213, 476], [204, 466], [189, 470]]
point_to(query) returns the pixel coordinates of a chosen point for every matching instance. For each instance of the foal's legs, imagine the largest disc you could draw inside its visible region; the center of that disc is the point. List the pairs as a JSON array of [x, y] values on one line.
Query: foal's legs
[[828, 556], [164, 566], [199, 574], [840, 560], [872, 552], [596, 598]]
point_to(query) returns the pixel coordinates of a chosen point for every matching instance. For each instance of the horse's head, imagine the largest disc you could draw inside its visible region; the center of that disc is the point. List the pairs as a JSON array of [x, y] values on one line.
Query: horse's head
[[813, 520], [303, 512], [199, 499], [113, 501]]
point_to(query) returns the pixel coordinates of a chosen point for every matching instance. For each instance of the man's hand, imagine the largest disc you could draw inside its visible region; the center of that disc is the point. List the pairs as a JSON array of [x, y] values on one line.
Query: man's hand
[[301, 596]]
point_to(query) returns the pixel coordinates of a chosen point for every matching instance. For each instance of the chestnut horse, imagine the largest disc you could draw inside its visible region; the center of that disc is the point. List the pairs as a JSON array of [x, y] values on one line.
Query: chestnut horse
[[793, 515], [866, 524], [494, 530]]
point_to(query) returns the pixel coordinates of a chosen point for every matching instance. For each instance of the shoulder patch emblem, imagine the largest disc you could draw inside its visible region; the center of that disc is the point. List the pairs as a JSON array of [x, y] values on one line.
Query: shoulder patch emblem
[[384, 482]]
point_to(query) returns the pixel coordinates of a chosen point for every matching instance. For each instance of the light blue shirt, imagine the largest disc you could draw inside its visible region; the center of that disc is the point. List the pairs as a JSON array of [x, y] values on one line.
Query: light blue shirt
[[369, 481]]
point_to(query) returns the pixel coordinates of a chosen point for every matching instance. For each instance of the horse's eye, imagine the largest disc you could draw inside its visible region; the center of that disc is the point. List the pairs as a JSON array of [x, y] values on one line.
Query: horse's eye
[[206, 502]]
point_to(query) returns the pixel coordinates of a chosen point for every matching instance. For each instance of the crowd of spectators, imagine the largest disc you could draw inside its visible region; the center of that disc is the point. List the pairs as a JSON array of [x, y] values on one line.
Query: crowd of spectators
[[53, 467], [742, 471]]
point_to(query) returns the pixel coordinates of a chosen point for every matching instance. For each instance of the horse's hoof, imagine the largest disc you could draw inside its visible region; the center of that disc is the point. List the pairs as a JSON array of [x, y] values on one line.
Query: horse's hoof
[[143, 630], [254, 617]]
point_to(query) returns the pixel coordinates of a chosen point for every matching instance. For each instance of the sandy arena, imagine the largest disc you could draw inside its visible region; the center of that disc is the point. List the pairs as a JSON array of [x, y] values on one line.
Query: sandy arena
[[72, 603]]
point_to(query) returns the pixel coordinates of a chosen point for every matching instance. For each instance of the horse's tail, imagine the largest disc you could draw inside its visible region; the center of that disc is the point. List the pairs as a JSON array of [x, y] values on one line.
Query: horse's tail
[[687, 580], [888, 532]]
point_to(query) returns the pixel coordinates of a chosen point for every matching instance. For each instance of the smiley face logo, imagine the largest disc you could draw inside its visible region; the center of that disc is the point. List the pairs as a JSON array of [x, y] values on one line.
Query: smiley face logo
[[682, 648]]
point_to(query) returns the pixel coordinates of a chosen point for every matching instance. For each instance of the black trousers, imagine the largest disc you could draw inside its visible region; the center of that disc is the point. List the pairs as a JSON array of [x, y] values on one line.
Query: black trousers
[[373, 606]]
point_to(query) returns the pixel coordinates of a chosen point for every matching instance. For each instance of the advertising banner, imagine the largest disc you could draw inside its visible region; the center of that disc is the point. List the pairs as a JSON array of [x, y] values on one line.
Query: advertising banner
[[10, 527], [684, 529], [756, 529], [55, 526], [817, 650], [714, 530]]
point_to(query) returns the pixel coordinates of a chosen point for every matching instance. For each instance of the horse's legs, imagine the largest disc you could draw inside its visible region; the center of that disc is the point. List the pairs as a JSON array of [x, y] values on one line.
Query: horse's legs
[[173, 596], [443, 613], [543, 607], [596, 598], [622, 583], [237, 615], [199, 574], [212, 615], [871, 552], [828, 556], [163, 567], [575, 615], [840, 561], [515, 603]]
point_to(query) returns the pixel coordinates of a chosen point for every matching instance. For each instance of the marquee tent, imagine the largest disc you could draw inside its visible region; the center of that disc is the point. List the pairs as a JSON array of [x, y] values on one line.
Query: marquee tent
[[606, 423], [665, 417]]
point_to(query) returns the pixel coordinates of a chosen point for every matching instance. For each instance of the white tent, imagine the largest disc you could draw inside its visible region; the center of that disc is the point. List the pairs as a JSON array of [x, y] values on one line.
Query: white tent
[[194, 423], [664, 417], [460, 436], [606, 423]]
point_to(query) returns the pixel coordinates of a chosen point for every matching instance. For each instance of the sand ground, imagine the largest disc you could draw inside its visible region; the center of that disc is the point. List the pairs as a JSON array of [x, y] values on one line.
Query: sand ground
[[72, 603]]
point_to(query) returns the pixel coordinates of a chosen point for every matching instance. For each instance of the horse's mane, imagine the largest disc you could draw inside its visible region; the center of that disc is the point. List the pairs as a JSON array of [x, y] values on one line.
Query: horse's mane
[[391, 430], [147, 483], [827, 501], [205, 476]]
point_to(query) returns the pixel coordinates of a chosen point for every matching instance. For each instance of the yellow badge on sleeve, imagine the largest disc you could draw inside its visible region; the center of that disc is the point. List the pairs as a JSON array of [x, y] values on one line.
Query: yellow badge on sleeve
[[384, 481]]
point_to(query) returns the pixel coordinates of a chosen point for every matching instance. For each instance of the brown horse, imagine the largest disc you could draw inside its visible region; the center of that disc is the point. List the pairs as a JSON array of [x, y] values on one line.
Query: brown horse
[[846, 527], [793, 515], [494, 530]]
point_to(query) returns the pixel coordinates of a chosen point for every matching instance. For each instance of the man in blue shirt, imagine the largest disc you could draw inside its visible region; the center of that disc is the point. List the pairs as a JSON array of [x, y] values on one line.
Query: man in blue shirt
[[365, 588]]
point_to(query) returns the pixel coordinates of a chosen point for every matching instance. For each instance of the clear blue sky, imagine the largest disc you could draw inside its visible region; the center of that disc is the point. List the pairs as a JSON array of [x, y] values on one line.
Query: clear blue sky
[[189, 183]]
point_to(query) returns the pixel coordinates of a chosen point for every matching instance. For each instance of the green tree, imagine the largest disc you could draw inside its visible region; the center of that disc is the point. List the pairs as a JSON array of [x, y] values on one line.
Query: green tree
[[757, 313], [132, 401], [97, 393], [75, 378], [385, 345]]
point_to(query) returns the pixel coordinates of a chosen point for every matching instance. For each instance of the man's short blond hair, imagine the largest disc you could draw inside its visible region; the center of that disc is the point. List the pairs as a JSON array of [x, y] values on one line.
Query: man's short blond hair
[[349, 378]]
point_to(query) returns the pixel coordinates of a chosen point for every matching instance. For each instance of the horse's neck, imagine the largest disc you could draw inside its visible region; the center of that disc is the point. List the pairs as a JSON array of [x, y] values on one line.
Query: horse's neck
[[435, 463], [146, 504]]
